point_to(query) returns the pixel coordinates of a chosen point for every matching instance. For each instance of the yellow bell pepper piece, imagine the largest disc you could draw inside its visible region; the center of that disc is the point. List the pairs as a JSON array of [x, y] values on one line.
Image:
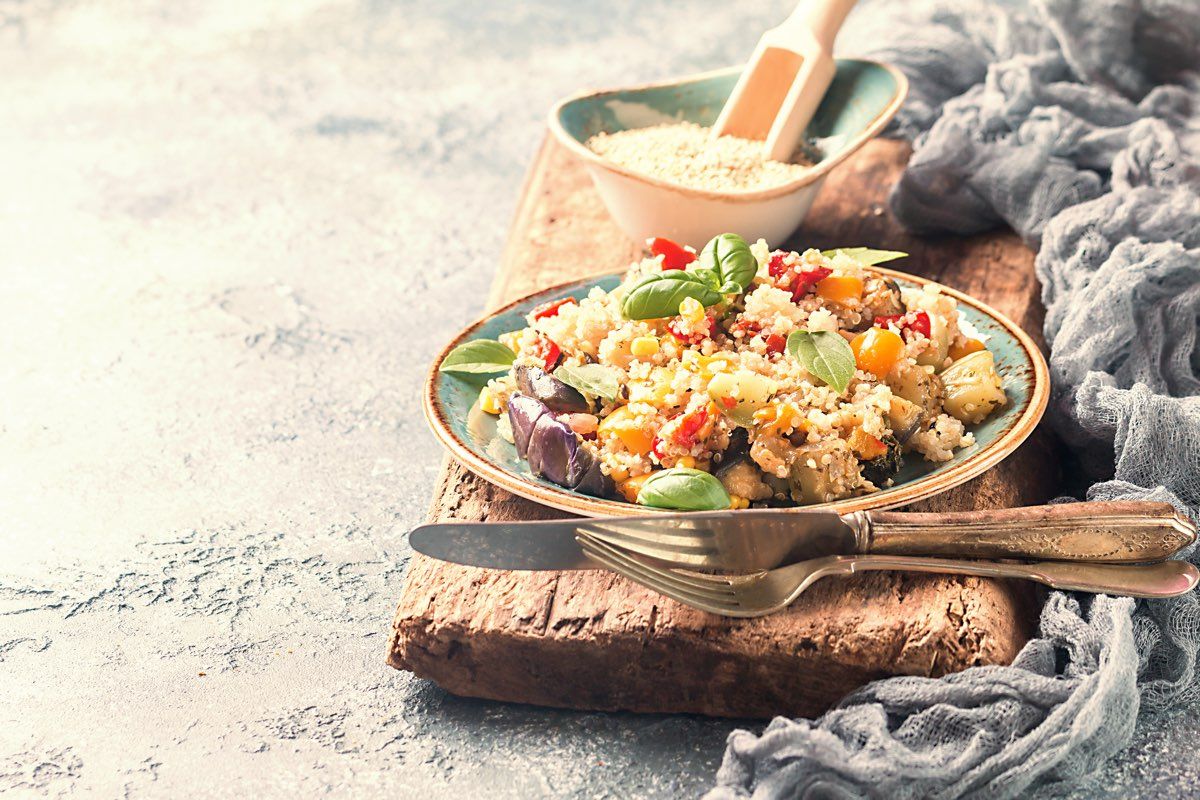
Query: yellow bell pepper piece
[[876, 350], [630, 487], [840, 288], [627, 427], [965, 349]]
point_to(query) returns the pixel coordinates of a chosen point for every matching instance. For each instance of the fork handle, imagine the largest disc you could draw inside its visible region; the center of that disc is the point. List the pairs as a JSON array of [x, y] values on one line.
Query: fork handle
[[1164, 579], [1120, 532]]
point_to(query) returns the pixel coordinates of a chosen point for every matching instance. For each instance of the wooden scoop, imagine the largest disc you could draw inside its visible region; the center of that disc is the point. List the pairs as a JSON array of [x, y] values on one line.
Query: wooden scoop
[[787, 76]]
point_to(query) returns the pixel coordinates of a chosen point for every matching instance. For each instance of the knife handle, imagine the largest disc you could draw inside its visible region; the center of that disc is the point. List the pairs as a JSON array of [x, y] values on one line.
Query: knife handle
[[1120, 532]]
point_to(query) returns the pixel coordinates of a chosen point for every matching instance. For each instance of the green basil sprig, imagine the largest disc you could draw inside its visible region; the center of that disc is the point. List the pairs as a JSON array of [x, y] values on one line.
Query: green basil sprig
[[865, 256], [729, 258], [660, 294], [683, 489], [478, 357], [825, 354], [594, 379], [724, 266]]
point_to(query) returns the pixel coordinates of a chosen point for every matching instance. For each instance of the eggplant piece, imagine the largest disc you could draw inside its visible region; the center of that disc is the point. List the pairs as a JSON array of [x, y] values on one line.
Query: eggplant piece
[[737, 473], [904, 418], [737, 449], [523, 414], [879, 470], [833, 466], [592, 481], [551, 448], [555, 454], [556, 395]]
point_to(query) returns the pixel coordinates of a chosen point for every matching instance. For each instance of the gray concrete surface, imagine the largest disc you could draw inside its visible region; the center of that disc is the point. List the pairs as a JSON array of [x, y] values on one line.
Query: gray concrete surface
[[232, 234]]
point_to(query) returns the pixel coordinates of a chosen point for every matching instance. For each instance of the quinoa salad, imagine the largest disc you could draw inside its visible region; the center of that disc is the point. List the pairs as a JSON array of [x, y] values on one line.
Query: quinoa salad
[[737, 377]]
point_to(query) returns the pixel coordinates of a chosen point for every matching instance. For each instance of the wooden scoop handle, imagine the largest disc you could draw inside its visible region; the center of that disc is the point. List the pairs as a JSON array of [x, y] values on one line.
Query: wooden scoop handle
[[822, 19], [1116, 532]]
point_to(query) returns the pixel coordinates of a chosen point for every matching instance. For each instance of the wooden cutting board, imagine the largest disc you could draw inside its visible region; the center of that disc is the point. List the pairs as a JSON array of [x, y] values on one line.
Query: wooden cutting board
[[593, 640]]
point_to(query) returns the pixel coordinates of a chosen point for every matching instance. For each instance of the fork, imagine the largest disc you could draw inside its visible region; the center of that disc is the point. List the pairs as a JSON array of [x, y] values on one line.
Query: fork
[[734, 541], [767, 591]]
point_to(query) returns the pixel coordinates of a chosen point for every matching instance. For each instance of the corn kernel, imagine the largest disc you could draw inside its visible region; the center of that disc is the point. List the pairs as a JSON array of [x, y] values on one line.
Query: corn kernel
[[644, 346], [686, 461], [489, 402], [736, 502], [691, 310], [511, 340]]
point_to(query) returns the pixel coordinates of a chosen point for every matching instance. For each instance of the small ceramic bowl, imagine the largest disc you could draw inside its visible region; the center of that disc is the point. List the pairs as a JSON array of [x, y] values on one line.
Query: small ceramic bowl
[[862, 99]]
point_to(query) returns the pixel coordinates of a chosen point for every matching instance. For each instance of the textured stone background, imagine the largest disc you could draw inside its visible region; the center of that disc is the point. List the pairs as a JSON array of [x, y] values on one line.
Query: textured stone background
[[232, 234]]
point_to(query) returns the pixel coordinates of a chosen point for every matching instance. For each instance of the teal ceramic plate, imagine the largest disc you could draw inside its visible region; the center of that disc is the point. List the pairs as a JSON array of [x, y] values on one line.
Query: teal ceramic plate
[[452, 410]]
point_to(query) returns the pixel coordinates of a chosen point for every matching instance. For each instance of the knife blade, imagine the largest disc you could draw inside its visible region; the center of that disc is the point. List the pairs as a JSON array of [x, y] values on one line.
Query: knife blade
[[745, 539]]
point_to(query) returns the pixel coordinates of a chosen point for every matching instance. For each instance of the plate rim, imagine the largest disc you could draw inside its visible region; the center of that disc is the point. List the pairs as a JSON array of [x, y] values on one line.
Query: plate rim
[[566, 500]]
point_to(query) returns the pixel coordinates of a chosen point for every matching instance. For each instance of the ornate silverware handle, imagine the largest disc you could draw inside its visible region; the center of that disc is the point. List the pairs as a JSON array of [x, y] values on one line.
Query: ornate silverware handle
[[1164, 579], [1121, 532]]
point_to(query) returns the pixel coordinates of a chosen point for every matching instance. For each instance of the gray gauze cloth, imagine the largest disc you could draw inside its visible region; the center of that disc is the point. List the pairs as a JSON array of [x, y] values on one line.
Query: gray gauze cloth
[[1077, 123]]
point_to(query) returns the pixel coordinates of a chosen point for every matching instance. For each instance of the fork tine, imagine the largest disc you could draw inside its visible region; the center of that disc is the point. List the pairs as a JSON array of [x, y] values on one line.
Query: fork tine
[[648, 580], [661, 580], [676, 538], [645, 572], [709, 583], [692, 557]]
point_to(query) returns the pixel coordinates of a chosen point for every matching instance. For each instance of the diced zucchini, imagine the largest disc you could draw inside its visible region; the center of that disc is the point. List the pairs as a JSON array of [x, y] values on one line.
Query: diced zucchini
[[740, 393], [973, 388]]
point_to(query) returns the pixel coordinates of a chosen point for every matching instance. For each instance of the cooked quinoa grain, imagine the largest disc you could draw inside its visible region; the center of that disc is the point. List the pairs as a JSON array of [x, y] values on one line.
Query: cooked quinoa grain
[[683, 153], [716, 389]]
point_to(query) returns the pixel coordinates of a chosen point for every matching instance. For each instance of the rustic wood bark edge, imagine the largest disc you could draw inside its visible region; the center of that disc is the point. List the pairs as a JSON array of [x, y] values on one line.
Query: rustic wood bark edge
[[593, 640]]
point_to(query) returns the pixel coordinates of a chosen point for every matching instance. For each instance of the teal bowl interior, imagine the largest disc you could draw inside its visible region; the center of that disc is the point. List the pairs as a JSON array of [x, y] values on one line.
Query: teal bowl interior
[[860, 93], [456, 397]]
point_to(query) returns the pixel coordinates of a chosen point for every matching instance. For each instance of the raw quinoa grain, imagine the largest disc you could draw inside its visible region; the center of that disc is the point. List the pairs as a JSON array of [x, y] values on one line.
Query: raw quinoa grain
[[683, 153]]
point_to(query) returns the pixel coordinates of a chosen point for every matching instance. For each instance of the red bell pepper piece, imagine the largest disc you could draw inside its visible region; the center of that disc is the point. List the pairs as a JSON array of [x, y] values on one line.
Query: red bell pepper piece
[[702, 331], [776, 343], [674, 255], [685, 434], [912, 321], [548, 351], [806, 280], [775, 267], [550, 309], [919, 322]]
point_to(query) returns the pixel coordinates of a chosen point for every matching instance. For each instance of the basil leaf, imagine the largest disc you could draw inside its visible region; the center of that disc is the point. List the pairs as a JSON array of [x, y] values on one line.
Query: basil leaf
[[478, 356], [594, 379], [683, 489], [825, 354], [730, 258], [711, 277], [660, 294], [865, 256]]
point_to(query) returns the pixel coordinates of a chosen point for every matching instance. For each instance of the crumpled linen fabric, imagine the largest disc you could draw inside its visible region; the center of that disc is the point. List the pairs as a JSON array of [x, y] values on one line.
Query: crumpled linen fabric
[[1076, 123]]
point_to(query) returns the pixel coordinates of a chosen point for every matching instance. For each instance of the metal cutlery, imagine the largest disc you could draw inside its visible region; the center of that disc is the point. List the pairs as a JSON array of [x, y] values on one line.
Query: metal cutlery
[[1110, 532], [768, 591], [1122, 532]]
